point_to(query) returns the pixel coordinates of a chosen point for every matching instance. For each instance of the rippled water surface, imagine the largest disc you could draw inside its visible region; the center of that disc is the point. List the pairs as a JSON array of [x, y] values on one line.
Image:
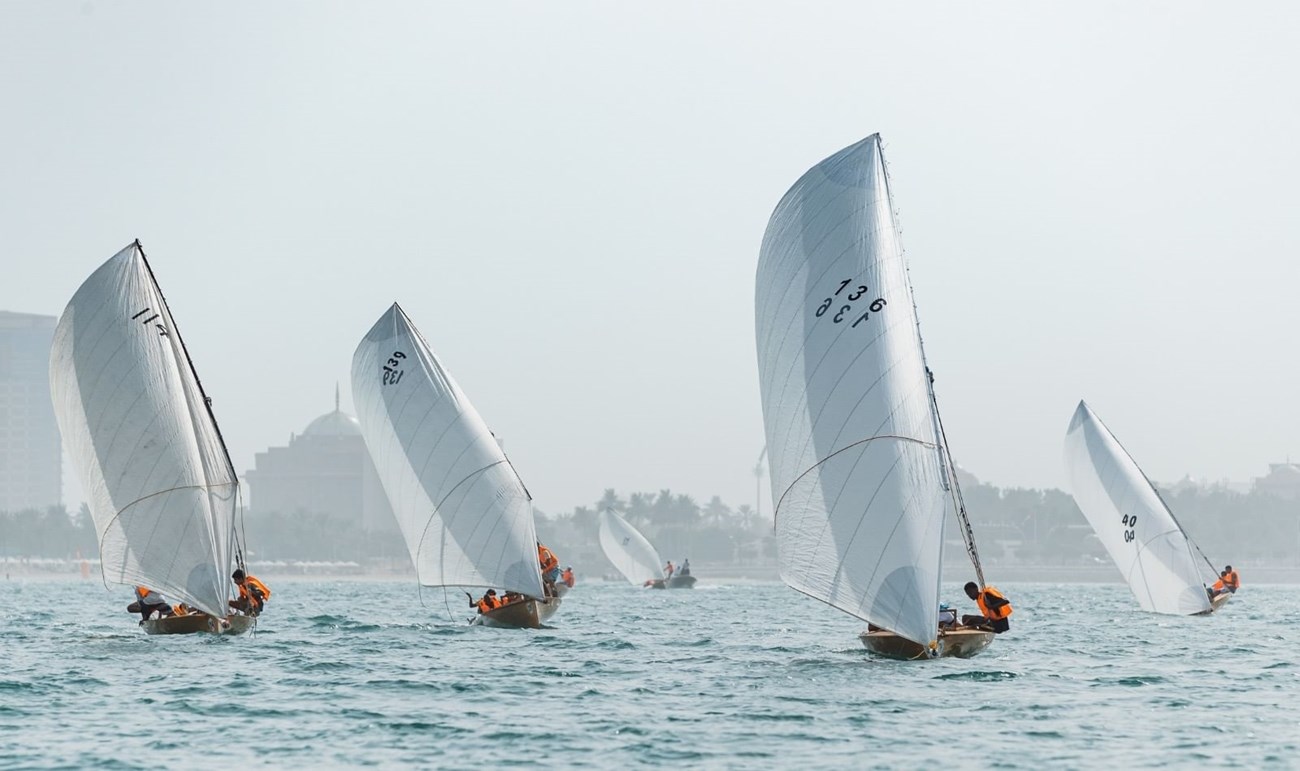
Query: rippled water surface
[[752, 675]]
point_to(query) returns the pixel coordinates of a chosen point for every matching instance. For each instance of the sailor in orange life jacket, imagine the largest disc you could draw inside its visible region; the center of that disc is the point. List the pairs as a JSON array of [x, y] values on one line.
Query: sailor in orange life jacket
[[995, 608], [1227, 584], [253, 594], [488, 601], [148, 602], [567, 576]]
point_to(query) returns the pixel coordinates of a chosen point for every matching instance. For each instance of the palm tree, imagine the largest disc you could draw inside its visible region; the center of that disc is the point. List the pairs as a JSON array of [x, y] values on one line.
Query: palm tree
[[611, 502]]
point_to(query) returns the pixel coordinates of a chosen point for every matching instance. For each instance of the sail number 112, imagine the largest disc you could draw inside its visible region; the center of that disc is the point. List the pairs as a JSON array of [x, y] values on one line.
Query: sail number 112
[[846, 308]]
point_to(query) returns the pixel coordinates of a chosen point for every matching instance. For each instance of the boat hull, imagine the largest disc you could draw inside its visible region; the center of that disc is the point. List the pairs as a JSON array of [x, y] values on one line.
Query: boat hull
[[198, 623], [1215, 603], [676, 582], [526, 614], [958, 643]]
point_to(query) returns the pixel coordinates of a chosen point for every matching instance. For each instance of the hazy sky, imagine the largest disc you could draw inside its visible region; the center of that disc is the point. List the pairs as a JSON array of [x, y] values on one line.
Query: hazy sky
[[1098, 201]]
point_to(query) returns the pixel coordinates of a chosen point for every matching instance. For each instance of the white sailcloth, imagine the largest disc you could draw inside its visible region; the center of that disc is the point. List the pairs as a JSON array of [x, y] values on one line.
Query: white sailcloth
[[136, 424], [628, 550], [465, 514], [860, 486], [1151, 551]]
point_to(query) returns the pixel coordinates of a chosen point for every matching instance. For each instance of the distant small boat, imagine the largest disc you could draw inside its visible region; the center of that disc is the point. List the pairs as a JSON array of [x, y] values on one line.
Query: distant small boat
[[464, 513], [862, 477], [1163, 567], [140, 430], [634, 556]]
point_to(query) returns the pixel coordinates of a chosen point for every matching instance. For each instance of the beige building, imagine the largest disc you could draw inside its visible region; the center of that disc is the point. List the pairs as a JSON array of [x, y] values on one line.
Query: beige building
[[324, 470], [31, 455]]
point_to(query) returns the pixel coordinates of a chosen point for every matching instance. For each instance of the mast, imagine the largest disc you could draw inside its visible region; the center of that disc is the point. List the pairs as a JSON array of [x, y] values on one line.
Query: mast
[[207, 400], [951, 484], [1191, 544]]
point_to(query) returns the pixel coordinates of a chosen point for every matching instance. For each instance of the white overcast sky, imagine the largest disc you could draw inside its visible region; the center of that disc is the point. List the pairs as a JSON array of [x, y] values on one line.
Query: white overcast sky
[[1098, 201]]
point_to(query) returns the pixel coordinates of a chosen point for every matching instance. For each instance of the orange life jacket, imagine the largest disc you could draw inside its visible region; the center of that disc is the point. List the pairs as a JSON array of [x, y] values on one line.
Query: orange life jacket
[[547, 559], [1218, 585], [142, 592], [1000, 612], [567, 575], [1232, 580]]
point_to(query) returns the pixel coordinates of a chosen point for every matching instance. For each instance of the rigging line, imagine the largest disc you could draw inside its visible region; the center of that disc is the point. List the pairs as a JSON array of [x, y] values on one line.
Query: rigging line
[[812, 468], [175, 328], [1191, 544], [968, 533]]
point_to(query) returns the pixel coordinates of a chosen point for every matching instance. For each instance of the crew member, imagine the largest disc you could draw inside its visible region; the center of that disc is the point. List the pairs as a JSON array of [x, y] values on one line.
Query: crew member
[[685, 569], [148, 602], [1231, 581], [567, 576], [995, 609], [669, 569], [487, 602], [253, 594]]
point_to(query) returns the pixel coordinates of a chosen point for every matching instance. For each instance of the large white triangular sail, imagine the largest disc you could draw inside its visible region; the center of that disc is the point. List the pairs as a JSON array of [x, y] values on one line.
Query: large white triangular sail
[[628, 550], [464, 513], [858, 475], [138, 427], [1148, 546]]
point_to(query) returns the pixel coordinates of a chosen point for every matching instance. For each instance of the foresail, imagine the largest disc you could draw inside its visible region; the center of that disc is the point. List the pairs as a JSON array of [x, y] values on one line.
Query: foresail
[[160, 486], [628, 550], [464, 513], [856, 470], [1147, 545]]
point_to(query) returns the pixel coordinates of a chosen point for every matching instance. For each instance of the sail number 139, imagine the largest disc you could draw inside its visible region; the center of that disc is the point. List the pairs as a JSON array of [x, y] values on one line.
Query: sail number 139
[[846, 304]]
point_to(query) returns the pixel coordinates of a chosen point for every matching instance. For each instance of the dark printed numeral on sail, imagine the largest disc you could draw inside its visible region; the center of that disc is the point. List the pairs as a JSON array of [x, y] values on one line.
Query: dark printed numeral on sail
[[845, 311], [1129, 521], [162, 331], [392, 369]]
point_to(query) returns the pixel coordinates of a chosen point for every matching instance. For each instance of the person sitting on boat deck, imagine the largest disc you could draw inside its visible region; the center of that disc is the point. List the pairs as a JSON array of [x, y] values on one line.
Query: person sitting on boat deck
[[148, 602], [669, 569], [947, 616], [1231, 581], [685, 569], [995, 609], [487, 602], [567, 576], [253, 594]]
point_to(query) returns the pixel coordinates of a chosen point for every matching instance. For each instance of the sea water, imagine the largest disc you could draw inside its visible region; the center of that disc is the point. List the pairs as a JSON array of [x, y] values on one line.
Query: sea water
[[747, 676]]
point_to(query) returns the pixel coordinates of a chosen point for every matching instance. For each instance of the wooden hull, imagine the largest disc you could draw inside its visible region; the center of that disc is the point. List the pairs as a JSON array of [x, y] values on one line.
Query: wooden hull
[[961, 643], [527, 614], [676, 582], [199, 623], [1216, 602]]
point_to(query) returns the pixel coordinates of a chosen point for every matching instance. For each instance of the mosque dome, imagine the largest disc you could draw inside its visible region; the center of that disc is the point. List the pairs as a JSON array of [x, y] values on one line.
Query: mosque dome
[[336, 423]]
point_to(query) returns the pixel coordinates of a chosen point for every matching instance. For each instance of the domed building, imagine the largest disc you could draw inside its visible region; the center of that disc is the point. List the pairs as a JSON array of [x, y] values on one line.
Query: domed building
[[324, 470]]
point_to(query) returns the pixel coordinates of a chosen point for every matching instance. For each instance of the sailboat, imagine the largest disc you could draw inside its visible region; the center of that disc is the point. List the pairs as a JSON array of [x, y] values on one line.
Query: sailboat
[[861, 474], [464, 513], [140, 430], [634, 556], [1160, 562]]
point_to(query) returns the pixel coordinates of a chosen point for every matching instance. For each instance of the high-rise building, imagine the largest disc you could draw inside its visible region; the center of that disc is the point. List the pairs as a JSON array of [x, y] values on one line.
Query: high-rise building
[[31, 455]]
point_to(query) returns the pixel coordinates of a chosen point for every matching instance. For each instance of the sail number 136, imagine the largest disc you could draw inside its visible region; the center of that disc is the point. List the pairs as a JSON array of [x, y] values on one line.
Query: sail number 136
[[846, 303]]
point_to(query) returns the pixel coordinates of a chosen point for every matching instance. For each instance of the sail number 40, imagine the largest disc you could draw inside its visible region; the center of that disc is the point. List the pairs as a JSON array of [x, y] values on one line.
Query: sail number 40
[[846, 310], [1129, 521], [392, 368]]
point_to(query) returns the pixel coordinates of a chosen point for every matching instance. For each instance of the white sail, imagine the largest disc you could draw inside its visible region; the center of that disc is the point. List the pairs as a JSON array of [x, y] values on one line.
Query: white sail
[[465, 514], [1151, 551], [860, 485], [628, 550], [137, 426]]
